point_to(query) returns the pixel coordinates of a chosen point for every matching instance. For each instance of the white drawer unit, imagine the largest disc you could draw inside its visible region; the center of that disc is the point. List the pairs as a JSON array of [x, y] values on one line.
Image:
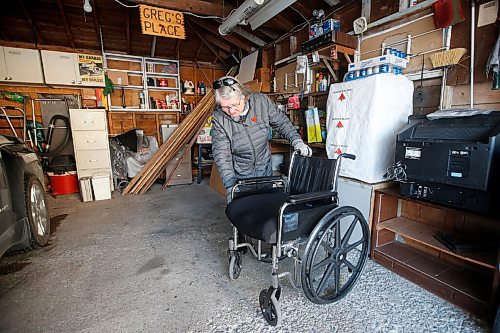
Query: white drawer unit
[[88, 121], [90, 142], [93, 159]]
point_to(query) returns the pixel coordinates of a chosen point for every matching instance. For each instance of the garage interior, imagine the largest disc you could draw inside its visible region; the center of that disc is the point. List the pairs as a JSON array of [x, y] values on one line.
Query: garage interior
[[105, 126]]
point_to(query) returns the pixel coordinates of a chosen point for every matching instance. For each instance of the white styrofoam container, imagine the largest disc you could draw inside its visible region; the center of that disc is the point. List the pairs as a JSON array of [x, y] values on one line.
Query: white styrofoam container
[[101, 184], [389, 59]]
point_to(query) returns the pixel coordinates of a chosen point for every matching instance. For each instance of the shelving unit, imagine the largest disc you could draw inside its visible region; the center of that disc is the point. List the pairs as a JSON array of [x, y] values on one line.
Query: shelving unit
[[135, 78], [403, 240]]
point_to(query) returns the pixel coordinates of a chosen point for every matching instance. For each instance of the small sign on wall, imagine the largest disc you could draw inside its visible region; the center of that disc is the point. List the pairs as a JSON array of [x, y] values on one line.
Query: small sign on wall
[[162, 22], [91, 69]]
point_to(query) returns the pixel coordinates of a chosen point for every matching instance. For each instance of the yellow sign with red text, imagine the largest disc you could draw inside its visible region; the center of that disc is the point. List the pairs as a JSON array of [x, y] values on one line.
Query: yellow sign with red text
[[162, 22]]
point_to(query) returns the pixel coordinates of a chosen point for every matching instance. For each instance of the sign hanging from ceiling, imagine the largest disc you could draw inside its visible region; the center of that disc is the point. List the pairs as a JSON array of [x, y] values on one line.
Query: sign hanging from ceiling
[[162, 22]]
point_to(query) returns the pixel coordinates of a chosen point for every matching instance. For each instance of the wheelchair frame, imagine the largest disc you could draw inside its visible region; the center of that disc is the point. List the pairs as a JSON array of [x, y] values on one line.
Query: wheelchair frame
[[269, 299]]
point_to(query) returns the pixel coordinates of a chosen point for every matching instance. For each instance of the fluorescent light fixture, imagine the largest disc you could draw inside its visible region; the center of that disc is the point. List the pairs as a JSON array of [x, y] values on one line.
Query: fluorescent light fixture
[[270, 9], [239, 15]]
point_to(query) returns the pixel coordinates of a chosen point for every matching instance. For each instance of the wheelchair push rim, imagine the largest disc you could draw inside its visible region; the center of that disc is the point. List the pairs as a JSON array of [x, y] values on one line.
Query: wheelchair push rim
[[334, 256]]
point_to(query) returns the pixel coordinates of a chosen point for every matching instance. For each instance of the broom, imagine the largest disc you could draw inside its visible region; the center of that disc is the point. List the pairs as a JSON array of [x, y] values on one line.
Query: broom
[[447, 58]]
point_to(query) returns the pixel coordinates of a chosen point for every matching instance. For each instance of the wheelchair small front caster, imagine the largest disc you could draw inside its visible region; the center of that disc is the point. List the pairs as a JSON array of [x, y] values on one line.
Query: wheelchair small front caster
[[234, 265], [270, 306]]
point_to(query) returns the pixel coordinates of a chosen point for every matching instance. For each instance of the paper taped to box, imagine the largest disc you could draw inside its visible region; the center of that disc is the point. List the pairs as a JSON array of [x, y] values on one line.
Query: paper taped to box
[[204, 134], [363, 118]]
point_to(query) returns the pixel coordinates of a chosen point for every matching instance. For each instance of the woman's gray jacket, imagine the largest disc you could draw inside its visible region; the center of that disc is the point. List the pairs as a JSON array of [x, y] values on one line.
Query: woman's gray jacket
[[241, 149]]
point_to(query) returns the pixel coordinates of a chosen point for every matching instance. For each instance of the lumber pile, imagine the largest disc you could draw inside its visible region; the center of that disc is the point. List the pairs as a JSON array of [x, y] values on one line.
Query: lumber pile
[[185, 134]]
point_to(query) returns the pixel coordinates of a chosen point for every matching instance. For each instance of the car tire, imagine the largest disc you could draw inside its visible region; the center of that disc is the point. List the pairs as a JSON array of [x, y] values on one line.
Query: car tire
[[37, 211]]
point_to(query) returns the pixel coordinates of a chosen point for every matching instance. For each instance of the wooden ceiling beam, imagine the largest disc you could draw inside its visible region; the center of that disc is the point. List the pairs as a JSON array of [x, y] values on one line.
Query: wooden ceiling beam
[[198, 51], [281, 22], [229, 38], [199, 7], [97, 25], [129, 48], [300, 8], [210, 47], [32, 24], [269, 33], [218, 42], [66, 25], [177, 49]]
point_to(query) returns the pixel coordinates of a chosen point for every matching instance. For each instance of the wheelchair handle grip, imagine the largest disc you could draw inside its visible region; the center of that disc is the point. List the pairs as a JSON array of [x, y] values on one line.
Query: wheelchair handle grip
[[349, 156]]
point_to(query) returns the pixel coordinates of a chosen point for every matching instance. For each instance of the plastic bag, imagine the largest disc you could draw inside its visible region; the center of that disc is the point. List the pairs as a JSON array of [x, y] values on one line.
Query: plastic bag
[[313, 125]]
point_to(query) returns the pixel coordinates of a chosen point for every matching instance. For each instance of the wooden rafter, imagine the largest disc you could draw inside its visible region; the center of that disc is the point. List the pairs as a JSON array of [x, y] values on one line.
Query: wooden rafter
[[210, 47], [177, 48], [269, 33], [299, 7], [194, 6], [66, 25], [97, 25], [31, 23], [280, 21], [129, 48], [3, 35], [198, 51], [213, 28], [218, 42]]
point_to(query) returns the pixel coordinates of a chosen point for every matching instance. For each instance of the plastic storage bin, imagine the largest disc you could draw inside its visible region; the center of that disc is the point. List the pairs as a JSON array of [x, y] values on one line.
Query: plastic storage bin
[[65, 183]]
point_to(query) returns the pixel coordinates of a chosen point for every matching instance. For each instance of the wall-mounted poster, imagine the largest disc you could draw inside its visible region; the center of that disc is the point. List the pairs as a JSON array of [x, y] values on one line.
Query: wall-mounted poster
[[91, 69]]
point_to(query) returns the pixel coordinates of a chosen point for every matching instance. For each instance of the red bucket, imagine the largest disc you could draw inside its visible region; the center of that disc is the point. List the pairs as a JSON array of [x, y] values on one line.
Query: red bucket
[[65, 183]]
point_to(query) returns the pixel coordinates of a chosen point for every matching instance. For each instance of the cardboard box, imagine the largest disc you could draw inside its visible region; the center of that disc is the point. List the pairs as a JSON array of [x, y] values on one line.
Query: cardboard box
[[262, 74], [118, 78], [376, 61], [204, 135]]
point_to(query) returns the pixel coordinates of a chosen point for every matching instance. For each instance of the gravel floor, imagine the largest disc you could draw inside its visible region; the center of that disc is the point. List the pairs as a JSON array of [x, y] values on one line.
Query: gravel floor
[[158, 263]]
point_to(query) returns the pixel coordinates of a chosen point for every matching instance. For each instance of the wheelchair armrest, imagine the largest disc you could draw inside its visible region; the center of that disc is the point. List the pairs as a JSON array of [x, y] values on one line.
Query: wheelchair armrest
[[306, 197], [259, 180]]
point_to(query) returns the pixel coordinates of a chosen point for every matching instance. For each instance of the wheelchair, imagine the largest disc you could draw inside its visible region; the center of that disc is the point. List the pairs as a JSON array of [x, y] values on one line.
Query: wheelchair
[[299, 218]]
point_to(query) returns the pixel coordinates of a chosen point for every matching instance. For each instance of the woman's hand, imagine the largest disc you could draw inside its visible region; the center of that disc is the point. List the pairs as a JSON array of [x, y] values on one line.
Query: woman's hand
[[303, 149]]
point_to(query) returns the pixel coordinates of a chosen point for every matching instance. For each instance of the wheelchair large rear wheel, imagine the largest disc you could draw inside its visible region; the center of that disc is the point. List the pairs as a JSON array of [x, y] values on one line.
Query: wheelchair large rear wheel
[[334, 256]]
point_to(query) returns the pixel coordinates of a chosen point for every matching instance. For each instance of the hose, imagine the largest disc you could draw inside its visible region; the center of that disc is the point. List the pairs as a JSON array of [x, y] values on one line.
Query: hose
[[50, 133]]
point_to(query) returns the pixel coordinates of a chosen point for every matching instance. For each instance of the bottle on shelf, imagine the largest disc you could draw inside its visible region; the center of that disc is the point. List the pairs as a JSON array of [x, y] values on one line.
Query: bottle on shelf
[[142, 104], [202, 88], [198, 90]]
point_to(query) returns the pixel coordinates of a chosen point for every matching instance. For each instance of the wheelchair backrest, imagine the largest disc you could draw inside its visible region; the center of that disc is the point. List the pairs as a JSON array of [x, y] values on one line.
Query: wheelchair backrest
[[310, 174]]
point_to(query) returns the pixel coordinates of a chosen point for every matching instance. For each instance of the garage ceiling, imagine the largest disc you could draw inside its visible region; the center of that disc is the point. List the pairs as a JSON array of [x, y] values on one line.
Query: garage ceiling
[[64, 23]]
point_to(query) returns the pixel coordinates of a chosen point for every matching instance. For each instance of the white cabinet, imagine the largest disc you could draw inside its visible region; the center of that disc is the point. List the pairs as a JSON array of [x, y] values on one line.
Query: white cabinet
[[20, 65], [60, 67], [90, 142], [63, 68]]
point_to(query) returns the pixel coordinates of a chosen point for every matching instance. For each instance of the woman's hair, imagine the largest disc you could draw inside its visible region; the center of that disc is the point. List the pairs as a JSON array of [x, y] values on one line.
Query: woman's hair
[[228, 92]]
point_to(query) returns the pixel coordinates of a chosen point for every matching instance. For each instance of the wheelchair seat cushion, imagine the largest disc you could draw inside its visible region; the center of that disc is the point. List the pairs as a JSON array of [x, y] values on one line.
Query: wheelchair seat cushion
[[257, 215]]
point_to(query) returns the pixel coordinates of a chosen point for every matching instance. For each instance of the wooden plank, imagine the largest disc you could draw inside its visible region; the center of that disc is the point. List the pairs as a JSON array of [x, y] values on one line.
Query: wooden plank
[[424, 234], [188, 128]]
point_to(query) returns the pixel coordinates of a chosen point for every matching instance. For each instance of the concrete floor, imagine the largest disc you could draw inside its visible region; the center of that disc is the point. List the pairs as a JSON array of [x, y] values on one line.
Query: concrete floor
[[158, 263]]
